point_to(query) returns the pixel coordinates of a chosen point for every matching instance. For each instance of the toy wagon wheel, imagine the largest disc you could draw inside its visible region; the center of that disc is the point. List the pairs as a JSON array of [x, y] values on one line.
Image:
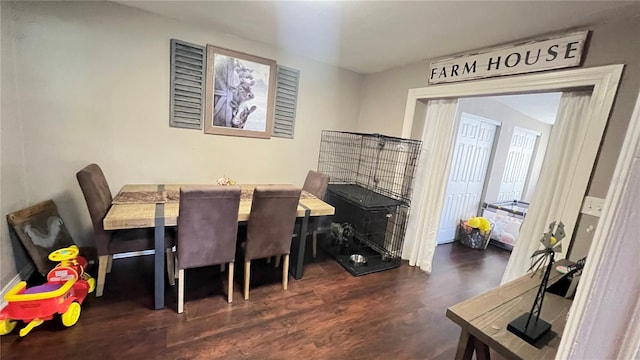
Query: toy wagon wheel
[[6, 326], [90, 281], [71, 316], [92, 284], [64, 254]]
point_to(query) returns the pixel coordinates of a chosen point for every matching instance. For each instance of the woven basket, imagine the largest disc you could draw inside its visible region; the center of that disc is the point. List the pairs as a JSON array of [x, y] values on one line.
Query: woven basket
[[473, 238]]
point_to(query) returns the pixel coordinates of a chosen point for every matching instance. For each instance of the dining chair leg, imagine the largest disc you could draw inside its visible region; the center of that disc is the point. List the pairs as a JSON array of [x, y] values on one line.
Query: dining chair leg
[[109, 264], [171, 267], [180, 291], [285, 272], [103, 262], [277, 262], [269, 260], [222, 267], [314, 243], [230, 285], [247, 275]]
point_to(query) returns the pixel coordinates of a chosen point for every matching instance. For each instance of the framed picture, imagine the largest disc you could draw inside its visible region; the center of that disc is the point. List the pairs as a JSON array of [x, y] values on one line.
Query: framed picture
[[41, 230], [240, 93]]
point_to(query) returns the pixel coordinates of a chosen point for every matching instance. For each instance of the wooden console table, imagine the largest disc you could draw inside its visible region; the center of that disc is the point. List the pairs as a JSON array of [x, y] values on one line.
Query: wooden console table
[[484, 320]]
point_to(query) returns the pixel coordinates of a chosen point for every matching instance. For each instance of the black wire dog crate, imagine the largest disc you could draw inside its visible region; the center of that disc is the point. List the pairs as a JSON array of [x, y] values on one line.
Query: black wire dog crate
[[370, 189]]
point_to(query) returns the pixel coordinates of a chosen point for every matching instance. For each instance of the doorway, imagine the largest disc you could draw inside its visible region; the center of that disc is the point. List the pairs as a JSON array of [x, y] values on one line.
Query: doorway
[[518, 168], [502, 170], [429, 115], [472, 154], [603, 81], [438, 100]]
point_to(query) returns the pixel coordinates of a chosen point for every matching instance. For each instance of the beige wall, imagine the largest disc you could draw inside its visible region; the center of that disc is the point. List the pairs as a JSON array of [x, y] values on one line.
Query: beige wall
[[613, 43], [91, 84], [616, 42], [384, 98], [510, 118], [13, 187]]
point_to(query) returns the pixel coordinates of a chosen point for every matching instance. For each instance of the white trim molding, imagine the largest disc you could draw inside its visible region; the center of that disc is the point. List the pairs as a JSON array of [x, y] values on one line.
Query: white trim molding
[[603, 321], [603, 79], [23, 275]]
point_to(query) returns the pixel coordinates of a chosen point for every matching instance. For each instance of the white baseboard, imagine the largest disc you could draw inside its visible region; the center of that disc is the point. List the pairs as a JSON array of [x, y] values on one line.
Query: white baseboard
[[24, 274]]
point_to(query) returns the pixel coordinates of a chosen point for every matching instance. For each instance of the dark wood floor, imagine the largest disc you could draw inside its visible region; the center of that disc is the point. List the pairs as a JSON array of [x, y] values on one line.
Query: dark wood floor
[[329, 314]]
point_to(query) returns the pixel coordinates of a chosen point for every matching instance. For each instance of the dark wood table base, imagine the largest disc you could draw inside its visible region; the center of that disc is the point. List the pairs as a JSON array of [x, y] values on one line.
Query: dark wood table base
[[468, 344]]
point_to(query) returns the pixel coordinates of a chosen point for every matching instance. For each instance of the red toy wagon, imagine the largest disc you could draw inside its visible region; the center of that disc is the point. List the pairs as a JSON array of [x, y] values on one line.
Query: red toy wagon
[[66, 288]]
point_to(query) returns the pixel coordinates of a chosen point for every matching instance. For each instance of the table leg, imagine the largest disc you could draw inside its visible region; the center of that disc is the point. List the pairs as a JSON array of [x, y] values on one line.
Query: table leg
[[482, 350], [159, 258], [298, 268], [465, 346]]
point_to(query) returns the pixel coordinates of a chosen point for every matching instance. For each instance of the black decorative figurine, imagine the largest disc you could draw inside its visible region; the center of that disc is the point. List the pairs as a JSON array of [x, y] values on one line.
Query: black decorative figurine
[[529, 326]]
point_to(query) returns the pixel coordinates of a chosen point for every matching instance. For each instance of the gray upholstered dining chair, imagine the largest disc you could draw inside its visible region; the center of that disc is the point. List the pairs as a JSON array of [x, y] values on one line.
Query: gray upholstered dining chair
[[98, 198], [207, 231], [270, 227], [315, 183]]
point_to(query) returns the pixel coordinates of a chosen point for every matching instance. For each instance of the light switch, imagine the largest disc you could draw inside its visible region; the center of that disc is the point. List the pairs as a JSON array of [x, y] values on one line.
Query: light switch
[[592, 206]]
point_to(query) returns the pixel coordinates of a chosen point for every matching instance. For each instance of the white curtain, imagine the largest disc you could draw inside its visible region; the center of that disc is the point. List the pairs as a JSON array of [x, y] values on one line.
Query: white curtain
[[558, 169], [430, 183]]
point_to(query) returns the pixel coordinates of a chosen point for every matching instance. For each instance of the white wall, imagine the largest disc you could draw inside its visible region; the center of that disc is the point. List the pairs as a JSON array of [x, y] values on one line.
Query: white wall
[[616, 42], [91, 84], [510, 118]]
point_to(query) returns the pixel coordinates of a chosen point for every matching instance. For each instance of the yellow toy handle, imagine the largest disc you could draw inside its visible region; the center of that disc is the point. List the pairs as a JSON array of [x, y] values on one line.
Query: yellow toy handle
[[64, 254]]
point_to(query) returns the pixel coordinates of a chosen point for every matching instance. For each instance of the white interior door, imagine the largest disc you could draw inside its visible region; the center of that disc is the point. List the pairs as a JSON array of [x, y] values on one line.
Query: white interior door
[[471, 156], [516, 171]]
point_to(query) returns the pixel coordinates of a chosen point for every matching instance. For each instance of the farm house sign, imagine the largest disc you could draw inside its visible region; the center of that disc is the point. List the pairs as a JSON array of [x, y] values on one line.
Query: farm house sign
[[556, 52]]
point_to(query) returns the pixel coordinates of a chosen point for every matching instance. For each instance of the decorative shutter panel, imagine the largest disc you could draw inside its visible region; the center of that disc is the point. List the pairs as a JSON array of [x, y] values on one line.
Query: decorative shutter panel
[[286, 101], [188, 76]]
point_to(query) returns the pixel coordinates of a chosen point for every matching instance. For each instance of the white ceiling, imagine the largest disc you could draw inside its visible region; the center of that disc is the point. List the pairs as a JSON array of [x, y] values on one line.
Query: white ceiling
[[542, 107], [373, 36]]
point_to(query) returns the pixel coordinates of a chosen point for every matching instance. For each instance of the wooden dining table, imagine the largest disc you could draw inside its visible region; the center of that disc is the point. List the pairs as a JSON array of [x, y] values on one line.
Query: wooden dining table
[[157, 206], [483, 320]]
